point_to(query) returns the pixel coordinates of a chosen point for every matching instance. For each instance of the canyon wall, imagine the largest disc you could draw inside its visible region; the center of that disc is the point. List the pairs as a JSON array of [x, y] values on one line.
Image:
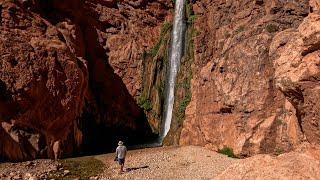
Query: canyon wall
[[77, 76], [255, 85], [70, 74]]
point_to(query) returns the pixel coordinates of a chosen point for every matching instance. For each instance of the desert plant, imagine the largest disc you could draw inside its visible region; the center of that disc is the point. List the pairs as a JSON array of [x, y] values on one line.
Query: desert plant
[[227, 151], [279, 151], [145, 103], [279, 122]]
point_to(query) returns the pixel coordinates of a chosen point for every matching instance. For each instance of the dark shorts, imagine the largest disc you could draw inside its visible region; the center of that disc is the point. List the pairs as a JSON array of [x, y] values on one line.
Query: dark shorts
[[121, 161]]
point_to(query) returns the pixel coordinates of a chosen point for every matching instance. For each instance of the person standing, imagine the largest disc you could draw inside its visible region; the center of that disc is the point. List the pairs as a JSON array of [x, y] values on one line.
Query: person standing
[[121, 153]]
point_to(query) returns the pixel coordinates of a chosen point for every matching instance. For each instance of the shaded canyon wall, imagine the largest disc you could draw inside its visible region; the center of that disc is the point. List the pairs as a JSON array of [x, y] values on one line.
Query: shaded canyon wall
[[71, 75]]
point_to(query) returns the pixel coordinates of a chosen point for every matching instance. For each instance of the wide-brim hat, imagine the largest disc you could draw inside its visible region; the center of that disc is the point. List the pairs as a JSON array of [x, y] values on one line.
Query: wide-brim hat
[[120, 143]]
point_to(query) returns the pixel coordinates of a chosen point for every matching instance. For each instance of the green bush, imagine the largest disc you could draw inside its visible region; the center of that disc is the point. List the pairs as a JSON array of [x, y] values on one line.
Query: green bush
[[227, 151], [145, 103], [279, 122], [278, 151]]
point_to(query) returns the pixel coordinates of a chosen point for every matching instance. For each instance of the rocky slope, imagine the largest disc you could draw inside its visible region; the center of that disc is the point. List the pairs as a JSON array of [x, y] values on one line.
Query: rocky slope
[[255, 76], [70, 71]]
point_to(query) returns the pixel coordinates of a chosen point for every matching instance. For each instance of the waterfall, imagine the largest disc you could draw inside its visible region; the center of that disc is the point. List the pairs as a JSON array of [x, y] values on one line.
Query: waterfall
[[175, 57]]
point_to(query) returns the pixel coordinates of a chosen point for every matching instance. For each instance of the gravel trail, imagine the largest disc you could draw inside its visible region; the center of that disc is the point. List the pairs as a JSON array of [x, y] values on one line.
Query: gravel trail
[[162, 163], [188, 162]]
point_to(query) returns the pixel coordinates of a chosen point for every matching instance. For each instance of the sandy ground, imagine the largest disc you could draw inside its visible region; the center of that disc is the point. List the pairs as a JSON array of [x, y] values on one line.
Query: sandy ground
[[171, 163], [189, 162], [168, 163]]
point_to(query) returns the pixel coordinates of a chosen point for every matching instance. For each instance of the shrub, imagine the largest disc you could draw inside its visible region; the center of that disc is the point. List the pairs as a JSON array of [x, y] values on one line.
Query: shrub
[[279, 151], [227, 151], [145, 103], [279, 122]]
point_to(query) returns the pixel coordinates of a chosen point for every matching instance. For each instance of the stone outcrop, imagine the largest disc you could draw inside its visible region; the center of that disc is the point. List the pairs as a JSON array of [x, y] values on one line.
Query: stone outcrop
[[42, 86], [297, 72], [292, 165], [255, 76], [70, 71]]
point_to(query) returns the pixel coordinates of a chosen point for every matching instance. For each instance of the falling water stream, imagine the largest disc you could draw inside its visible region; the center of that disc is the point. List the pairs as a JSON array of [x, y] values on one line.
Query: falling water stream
[[176, 52]]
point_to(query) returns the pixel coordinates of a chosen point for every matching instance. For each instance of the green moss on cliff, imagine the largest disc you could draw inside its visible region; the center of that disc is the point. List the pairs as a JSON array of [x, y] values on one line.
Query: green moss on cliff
[[145, 103], [166, 27], [155, 62]]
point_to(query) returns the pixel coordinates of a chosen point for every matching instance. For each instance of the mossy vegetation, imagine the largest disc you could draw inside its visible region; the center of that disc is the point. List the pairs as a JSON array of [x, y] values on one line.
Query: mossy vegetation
[[279, 122], [227, 151], [155, 61], [184, 103], [279, 151], [162, 38], [144, 103], [81, 167]]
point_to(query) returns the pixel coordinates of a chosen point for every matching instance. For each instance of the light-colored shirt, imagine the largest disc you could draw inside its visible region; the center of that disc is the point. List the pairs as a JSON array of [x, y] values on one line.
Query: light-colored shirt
[[121, 152]]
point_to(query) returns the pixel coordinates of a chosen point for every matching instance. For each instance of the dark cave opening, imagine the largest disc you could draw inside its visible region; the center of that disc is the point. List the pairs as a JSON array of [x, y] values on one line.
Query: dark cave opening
[[99, 138]]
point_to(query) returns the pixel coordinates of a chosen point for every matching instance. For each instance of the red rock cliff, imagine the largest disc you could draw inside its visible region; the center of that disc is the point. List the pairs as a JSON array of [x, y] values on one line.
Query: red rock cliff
[[255, 85], [69, 71]]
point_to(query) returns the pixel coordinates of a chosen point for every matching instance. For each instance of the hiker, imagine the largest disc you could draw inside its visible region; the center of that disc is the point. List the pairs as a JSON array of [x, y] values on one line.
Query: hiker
[[121, 153]]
